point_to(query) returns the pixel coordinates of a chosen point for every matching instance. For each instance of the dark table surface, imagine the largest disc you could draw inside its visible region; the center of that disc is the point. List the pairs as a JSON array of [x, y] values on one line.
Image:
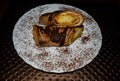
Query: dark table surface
[[105, 67]]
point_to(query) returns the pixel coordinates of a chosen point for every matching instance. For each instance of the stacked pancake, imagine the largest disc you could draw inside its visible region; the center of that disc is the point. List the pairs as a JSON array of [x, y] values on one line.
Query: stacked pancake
[[61, 28]]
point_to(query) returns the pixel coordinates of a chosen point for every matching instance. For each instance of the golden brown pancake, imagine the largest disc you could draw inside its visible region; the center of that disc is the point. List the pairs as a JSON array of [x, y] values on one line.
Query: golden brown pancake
[[62, 28], [53, 36], [62, 18]]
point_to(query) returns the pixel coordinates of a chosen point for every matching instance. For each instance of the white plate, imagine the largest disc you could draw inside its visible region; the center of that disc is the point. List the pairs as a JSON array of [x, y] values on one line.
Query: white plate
[[56, 59]]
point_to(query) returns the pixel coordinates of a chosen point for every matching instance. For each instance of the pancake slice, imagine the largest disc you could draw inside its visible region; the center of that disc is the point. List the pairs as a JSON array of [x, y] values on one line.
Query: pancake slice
[[62, 18], [68, 18], [53, 36]]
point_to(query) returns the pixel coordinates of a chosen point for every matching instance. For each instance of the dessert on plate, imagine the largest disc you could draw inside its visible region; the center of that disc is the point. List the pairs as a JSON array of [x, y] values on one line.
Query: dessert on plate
[[61, 28], [57, 38]]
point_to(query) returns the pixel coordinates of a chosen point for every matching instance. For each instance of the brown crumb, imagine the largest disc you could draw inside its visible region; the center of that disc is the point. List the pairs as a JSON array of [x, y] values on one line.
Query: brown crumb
[[85, 39]]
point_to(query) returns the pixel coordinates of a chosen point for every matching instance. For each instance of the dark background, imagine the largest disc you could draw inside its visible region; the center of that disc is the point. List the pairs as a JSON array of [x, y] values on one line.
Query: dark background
[[106, 66], [11, 10]]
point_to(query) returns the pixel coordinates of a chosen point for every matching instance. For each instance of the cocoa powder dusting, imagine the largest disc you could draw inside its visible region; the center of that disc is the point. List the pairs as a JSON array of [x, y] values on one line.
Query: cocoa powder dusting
[[43, 55], [65, 50], [85, 39]]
